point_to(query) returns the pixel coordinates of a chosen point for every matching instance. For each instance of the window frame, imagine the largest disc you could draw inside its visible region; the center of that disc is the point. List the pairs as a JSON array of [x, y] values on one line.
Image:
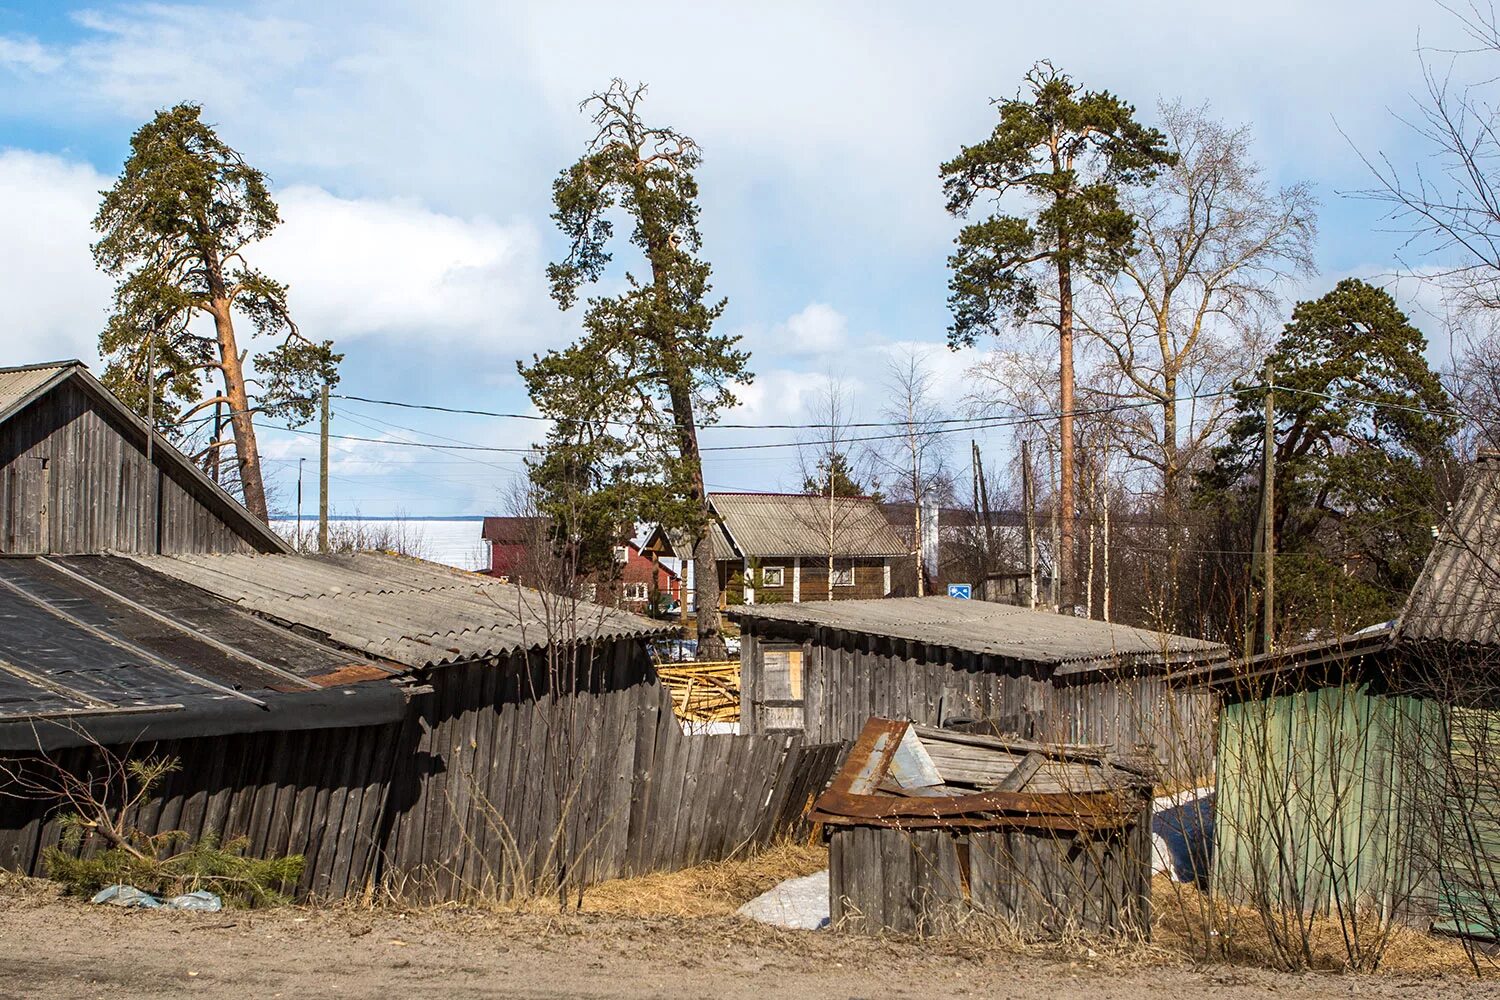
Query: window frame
[[839, 567], [765, 580]]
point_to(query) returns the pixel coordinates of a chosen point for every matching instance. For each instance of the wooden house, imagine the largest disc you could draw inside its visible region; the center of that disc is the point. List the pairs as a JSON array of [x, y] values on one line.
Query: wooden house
[[75, 476], [928, 828], [824, 669], [521, 552], [1364, 770], [787, 548]]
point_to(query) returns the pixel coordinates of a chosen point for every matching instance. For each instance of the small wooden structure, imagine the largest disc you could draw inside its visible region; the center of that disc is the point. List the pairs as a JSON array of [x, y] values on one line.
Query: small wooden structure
[[823, 669], [928, 828], [1362, 772], [76, 477]]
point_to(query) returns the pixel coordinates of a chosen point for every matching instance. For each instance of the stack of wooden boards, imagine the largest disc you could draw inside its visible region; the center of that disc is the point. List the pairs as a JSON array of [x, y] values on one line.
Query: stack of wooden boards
[[703, 692]]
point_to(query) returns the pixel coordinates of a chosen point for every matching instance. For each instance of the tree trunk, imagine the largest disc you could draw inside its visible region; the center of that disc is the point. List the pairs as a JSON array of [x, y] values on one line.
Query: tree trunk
[[705, 565], [1065, 431], [247, 453], [1169, 504]]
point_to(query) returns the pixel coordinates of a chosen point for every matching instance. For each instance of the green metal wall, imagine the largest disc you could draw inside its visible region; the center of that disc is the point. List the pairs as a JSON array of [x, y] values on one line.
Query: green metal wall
[[1320, 798]]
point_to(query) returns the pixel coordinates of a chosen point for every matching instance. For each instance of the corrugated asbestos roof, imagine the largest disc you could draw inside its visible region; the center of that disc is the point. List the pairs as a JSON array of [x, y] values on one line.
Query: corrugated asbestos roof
[[19, 384], [413, 612], [1457, 596], [991, 629], [102, 643], [772, 524]]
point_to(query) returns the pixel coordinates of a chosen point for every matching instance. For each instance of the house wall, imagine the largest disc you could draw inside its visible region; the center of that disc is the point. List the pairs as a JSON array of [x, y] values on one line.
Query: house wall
[[95, 492], [870, 580], [850, 677]]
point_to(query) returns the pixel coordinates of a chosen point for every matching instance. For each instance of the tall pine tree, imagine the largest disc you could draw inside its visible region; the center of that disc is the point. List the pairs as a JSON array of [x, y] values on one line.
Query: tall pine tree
[[1062, 153], [630, 396], [175, 229]]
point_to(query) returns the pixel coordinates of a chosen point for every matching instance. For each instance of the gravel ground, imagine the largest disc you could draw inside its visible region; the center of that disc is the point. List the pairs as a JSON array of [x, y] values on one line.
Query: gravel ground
[[59, 948]]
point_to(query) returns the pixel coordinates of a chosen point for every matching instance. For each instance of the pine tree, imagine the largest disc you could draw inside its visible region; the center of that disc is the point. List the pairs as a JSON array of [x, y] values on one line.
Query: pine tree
[[630, 396], [174, 229]]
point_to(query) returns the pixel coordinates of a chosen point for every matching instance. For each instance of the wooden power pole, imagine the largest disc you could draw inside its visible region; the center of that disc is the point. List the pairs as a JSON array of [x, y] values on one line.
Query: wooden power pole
[[1268, 526], [323, 473]]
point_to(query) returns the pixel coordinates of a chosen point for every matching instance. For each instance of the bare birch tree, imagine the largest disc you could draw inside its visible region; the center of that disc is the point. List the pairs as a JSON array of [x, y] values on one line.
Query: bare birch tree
[[1213, 243], [915, 462]]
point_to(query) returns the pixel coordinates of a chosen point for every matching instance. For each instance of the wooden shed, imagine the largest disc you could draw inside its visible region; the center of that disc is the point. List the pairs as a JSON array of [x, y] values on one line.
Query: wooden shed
[[823, 669], [1362, 773], [930, 828], [75, 476], [529, 735]]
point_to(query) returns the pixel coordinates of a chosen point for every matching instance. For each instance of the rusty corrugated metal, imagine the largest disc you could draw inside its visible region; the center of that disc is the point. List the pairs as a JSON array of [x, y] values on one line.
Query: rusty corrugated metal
[[1080, 789]]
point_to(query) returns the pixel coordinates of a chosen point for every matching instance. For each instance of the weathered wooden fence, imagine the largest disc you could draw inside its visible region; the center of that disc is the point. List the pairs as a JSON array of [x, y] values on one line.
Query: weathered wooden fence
[[589, 786], [490, 787]]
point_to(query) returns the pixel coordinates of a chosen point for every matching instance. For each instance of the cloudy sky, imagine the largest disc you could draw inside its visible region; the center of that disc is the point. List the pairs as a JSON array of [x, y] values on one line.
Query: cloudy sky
[[412, 145]]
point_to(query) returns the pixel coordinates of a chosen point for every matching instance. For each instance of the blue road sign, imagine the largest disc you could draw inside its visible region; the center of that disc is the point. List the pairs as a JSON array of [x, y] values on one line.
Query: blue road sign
[[962, 591]]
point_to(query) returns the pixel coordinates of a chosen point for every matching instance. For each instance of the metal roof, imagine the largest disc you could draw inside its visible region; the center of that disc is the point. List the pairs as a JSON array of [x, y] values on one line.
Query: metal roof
[[408, 610], [794, 524], [101, 645], [1457, 596], [991, 629], [20, 386]]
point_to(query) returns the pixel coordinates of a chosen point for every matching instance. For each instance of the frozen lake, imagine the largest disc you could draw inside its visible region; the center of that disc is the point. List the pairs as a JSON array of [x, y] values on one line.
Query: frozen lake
[[453, 541]]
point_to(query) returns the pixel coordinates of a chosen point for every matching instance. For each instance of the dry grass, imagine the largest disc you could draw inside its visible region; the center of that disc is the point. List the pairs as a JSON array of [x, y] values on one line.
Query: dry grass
[[717, 888], [1179, 925]]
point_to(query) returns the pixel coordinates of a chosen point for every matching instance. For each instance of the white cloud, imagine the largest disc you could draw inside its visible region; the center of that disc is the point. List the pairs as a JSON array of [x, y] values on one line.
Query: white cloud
[[55, 302], [817, 329], [28, 55], [358, 268], [365, 267]]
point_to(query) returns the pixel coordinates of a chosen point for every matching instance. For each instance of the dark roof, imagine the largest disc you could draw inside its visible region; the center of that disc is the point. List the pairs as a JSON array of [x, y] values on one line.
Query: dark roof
[[1457, 596], [24, 385], [396, 608], [100, 645], [514, 530], [990, 629]]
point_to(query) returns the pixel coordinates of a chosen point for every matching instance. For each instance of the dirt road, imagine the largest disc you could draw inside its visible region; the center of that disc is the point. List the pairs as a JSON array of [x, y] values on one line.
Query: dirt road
[[56, 948]]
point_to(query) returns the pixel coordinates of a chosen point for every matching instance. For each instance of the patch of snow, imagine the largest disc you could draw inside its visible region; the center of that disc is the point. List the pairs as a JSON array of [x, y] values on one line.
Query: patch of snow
[[798, 903]]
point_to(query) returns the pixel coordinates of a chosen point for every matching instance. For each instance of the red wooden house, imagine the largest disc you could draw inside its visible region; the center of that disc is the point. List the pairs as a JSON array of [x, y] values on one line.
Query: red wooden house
[[520, 551]]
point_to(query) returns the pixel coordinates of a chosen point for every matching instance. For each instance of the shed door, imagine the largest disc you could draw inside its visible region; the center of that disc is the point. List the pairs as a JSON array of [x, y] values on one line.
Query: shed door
[[1469, 865], [781, 701]]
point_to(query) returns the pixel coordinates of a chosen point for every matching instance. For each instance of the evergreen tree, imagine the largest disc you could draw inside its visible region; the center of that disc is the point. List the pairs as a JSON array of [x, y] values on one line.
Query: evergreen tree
[[629, 397], [174, 229], [1362, 437], [1066, 151]]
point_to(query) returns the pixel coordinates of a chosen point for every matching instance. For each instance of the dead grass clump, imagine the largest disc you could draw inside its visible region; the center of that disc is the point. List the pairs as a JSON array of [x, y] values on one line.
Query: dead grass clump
[[1180, 924], [716, 888]]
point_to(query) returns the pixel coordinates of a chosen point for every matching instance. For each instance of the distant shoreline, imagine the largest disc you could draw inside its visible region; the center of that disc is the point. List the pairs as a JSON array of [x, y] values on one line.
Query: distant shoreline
[[386, 517]]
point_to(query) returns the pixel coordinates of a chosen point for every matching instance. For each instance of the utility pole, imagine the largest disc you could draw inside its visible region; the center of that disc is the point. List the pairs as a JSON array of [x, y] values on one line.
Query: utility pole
[[214, 448], [300, 463], [1028, 505], [151, 436], [323, 473], [1268, 544], [984, 506]]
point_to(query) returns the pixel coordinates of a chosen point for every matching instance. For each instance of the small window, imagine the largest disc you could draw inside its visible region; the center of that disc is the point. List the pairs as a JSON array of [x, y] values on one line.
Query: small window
[[622, 554], [772, 576], [843, 573], [636, 592], [781, 687]]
